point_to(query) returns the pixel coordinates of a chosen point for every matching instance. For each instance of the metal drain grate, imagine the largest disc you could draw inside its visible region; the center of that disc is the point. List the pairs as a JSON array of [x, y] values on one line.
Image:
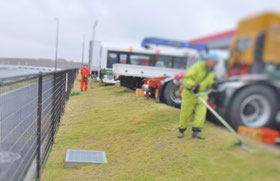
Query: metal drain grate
[[79, 157]]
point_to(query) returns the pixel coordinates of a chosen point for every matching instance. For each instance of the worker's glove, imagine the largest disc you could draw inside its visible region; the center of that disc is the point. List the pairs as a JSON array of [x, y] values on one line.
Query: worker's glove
[[195, 88]]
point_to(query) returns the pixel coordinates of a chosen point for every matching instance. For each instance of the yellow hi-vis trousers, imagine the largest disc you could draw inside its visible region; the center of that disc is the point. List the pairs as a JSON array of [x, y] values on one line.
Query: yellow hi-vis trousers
[[192, 108]]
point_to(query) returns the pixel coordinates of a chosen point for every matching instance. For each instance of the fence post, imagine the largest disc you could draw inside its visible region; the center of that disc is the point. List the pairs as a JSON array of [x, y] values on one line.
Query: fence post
[[39, 119], [53, 107], [61, 89]]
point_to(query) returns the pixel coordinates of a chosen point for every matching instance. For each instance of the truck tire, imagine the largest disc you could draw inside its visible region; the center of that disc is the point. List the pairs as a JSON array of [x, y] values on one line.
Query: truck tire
[[253, 106], [171, 94]]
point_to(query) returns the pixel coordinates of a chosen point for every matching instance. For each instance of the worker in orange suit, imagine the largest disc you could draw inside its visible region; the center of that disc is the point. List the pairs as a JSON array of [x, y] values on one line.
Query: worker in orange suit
[[85, 76]]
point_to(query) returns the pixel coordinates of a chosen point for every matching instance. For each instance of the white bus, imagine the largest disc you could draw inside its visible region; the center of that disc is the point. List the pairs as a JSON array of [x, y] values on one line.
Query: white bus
[[158, 58]]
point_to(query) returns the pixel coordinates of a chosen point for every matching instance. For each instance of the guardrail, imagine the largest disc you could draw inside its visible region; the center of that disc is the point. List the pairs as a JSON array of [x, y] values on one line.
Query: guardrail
[[30, 110]]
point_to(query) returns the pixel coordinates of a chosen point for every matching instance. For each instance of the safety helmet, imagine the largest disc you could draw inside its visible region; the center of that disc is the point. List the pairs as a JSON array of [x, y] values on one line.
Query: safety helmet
[[212, 56], [85, 65]]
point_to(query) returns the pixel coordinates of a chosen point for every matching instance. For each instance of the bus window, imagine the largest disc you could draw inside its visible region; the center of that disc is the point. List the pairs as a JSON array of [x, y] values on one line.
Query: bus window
[[163, 61], [112, 59], [123, 58], [180, 62], [140, 60]]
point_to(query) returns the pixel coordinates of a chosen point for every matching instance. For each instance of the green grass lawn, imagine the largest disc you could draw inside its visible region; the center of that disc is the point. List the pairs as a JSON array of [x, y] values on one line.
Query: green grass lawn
[[139, 138]]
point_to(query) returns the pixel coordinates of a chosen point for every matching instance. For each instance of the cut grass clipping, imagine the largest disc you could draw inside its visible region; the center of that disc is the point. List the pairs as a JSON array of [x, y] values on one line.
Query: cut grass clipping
[[139, 138]]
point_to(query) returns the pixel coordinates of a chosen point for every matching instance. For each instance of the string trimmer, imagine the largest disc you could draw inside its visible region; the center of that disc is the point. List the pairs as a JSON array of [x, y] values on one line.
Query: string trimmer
[[239, 138]]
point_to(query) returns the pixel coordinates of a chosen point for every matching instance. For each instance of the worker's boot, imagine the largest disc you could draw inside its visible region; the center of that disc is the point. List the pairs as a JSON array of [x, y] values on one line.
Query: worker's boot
[[181, 132], [196, 133]]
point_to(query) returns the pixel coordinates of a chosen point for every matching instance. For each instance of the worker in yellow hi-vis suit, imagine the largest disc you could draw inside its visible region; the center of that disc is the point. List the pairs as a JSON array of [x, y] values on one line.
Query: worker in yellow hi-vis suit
[[198, 78]]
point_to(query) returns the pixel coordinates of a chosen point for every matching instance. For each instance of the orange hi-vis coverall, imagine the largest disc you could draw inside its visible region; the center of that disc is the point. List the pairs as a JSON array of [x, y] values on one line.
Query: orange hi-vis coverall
[[84, 80]]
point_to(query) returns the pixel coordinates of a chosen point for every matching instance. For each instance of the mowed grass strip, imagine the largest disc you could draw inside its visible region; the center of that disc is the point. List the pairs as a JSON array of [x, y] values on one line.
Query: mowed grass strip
[[139, 138]]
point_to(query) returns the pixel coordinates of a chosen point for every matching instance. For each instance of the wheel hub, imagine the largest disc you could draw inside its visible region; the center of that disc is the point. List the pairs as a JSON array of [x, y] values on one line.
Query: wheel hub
[[255, 111], [249, 109], [175, 94]]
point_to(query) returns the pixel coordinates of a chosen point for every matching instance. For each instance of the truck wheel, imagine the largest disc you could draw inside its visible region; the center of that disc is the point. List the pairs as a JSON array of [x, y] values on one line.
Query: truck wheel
[[171, 94], [255, 106]]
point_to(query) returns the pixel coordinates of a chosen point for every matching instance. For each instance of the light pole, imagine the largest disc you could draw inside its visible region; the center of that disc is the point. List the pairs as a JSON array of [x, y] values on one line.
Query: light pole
[[92, 43], [56, 43], [83, 49]]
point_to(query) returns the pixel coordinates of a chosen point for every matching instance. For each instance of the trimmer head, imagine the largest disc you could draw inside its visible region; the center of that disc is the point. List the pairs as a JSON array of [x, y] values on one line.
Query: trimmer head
[[244, 146], [239, 138]]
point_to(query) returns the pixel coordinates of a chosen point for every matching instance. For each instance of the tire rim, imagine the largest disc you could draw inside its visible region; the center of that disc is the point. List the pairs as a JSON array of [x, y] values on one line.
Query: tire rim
[[175, 94], [255, 111]]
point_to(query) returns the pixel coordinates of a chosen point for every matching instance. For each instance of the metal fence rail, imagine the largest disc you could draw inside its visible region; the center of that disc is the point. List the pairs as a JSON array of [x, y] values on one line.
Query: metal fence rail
[[30, 112]]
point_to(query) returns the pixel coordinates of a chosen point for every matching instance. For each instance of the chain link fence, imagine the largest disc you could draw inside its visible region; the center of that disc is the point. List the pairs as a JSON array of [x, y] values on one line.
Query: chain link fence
[[30, 110]]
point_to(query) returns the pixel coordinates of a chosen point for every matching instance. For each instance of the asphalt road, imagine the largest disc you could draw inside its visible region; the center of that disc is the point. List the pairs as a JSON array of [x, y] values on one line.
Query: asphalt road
[[15, 71]]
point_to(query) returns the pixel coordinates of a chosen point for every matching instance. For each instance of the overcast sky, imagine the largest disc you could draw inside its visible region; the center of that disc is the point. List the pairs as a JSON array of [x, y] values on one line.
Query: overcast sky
[[27, 27]]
